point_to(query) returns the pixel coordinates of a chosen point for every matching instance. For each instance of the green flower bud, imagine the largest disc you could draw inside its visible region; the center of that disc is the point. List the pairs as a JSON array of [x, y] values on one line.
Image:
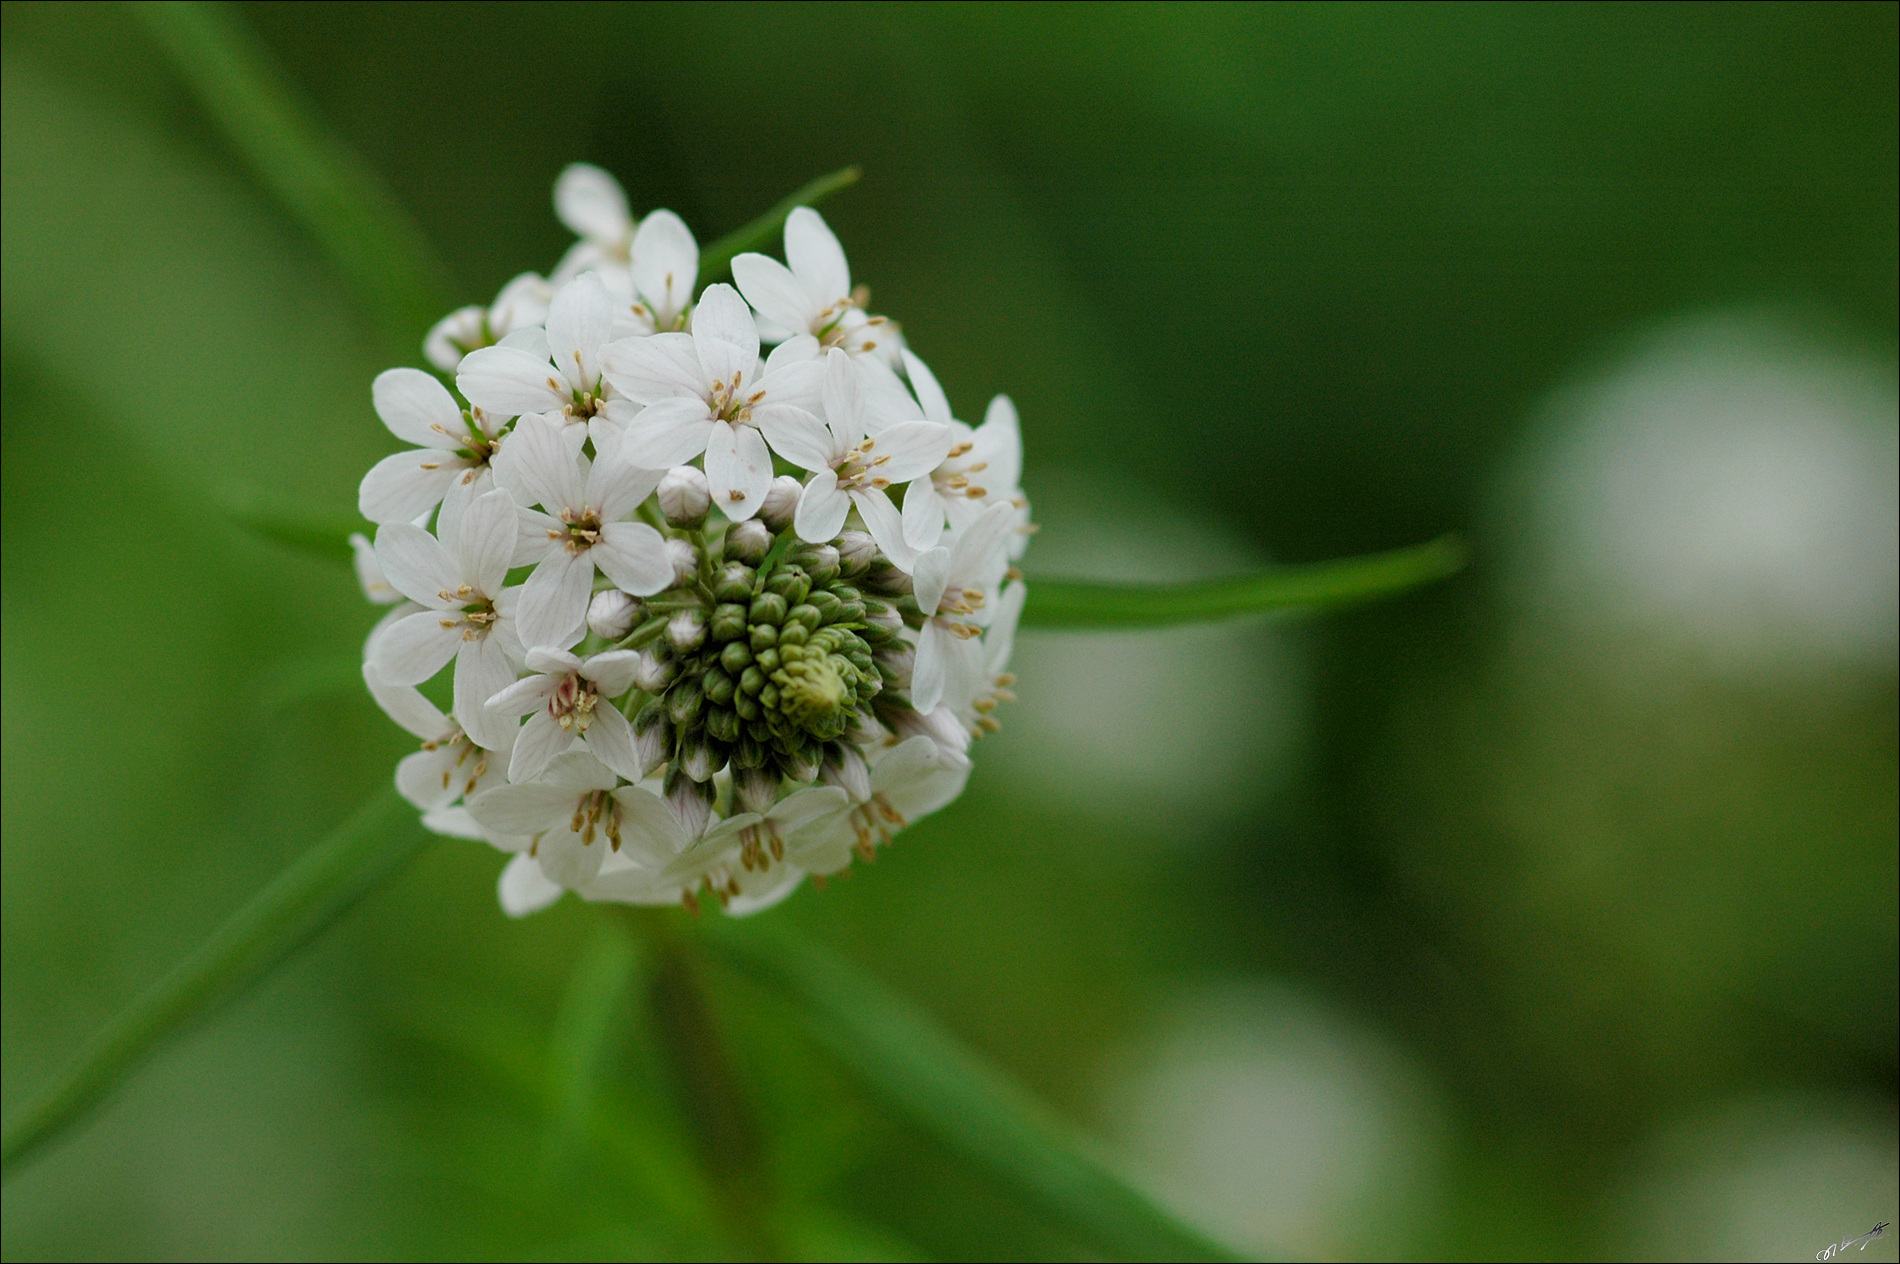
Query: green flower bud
[[792, 633], [736, 657], [723, 724], [766, 661], [751, 680], [734, 583], [769, 608], [728, 622], [826, 604], [805, 614], [762, 636], [719, 685], [683, 702], [789, 582]]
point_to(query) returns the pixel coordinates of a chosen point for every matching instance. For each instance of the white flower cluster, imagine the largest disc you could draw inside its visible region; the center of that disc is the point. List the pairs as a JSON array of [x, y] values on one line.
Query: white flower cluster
[[733, 676]]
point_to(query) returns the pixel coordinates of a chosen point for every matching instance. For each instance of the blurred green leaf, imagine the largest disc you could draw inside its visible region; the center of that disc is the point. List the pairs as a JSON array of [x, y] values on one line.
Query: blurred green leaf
[[321, 182], [716, 260], [1068, 603], [972, 1106], [597, 995], [309, 528], [305, 899]]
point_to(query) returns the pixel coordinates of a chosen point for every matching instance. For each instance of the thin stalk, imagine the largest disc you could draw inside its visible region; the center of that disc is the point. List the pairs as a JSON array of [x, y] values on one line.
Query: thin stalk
[[715, 261], [303, 901]]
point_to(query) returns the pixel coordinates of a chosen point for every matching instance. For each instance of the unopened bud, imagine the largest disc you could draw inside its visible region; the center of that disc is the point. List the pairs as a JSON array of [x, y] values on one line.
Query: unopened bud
[[749, 541], [898, 658], [686, 631], [845, 768], [940, 726], [856, 552], [612, 614], [800, 765], [684, 496], [821, 563], [691, 802], [882, 577], [652, 737], [881, 622], [684, 559], [756, 789], [696, 757], [653, 673], [781, 502]]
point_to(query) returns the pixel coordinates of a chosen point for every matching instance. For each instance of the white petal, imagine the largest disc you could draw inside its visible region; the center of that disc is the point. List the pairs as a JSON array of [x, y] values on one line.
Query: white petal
[[416, 563], [482, 670], [648, 829], [579, 772], [443, 345], [406, 706], [923, 515], [633, 555], [886, 399], [799, 437], [592, 204], [526, 807], [521, 305], [524, 889], [799, 383], [418, 409], [929, 577], [927, 678], [612, 672], [923, 383], [649, 369], [914, 447], [569, 861], [554, 600], [739, 468], [762, 891], [821, 509], [770, 286], [508, 382], [470, 485], [668, 433], [843, 401], [803, 806], [413, 649], [929, 782], [886, 527], [455, 822], [816, 257], [610, 738], [665, 264], [999, 441], [533, 340], [724, 337], [401, 487], [536, 535], [525, 695], [486, 539], [545, 465], [795, 350], [1000, 637], [554, 662], [427, 778], [617, 484], [539, 741], [980, 548], [579, 322]]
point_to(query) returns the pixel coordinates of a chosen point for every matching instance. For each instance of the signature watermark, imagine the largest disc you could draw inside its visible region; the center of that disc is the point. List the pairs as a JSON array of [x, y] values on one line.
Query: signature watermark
[[1834, 1249]]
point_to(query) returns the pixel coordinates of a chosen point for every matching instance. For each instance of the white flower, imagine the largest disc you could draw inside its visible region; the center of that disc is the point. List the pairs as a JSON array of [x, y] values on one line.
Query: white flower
[[594, 207], [571, 814], [848, 468], [558, 373], [452, 460], [952, 586], [580, 530], [522, 304], [376, 586], [469, 616], [738, 858], [705, 392], [814, 295], [571, 700], [991, 685], [981, 469], [524, 889], [450, 764], [663, 273], [909, 783]]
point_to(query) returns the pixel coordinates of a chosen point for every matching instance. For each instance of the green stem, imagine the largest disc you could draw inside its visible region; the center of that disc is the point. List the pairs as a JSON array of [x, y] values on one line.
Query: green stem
[[970, 1105], [306, 898], [716, 260], [325, 186], [1068, 603]]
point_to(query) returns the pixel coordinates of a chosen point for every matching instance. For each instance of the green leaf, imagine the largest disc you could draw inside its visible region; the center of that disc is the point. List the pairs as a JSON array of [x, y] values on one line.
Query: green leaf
[[970, 1105], [1068, 603], [324, 185], [303, 900], [597, 996], [716, 260]]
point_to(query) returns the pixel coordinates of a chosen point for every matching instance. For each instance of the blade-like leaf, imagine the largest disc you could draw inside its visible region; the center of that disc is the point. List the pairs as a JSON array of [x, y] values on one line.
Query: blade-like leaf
[[324, 185], [310, 895], [716, 260], [970, 1105], [1068, 603]]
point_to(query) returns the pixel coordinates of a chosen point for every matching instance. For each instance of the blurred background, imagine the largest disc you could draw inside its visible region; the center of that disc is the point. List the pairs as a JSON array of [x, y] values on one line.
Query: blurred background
[[1549, 912]]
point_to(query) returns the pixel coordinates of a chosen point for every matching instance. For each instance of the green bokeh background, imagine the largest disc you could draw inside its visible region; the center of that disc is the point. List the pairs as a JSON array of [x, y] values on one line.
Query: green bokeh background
[[1590, 918]]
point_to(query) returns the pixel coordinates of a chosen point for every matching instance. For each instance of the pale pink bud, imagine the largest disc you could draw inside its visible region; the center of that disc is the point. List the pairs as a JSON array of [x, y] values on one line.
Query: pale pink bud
[[749, 541], [652, 674], [684, 559], [686, 631], [856, 551], [612, 614], [684, 496], [781, 502]]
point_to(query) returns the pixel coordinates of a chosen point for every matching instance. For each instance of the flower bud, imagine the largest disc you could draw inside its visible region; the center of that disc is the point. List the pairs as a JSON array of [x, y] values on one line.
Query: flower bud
[[881, 623], [896, 660], [734, 582], [781, 502], [653, 673], [755, 789], [696, 757], [691, 802], [845, 768], [686, 631], [612, 614], [749, 541], [800, 764], [684, 496], [856, 552], [820, 562], [940, 726], [885, 578], [684, 559], [652, 737]]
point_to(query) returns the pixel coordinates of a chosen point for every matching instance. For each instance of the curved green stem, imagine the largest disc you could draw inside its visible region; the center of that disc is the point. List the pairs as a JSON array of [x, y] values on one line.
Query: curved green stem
[[716, 260], [310, 895], [1069, 603]]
